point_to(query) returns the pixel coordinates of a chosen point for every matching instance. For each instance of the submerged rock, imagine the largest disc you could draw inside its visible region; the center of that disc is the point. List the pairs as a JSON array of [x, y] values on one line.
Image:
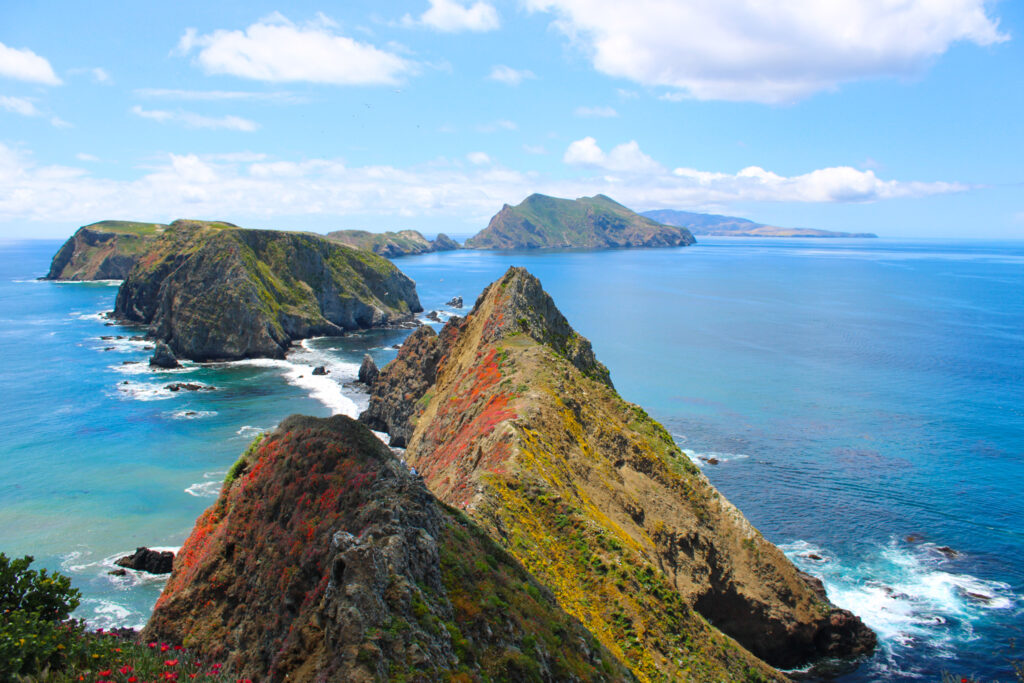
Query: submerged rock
[[163, 357], [146, 560]]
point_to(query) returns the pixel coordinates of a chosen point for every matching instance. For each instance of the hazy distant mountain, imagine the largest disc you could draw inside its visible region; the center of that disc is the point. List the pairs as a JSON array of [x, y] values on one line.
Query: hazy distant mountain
[[712, 224]]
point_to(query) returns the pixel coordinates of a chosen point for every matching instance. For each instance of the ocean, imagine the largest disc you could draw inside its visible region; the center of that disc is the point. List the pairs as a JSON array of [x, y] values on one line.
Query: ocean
[[861, 401]]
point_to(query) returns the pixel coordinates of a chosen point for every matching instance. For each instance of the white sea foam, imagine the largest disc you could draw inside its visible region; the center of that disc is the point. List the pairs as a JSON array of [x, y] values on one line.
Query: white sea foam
[[909, 595], [99, 316], [298, 371], [205, 489], [192, 414], [108, 283], [142, 391], [712, 457], [250, 432]]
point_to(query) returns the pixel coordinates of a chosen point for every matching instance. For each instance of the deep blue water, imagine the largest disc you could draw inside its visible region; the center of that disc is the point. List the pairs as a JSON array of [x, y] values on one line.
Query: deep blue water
[[863, 399]]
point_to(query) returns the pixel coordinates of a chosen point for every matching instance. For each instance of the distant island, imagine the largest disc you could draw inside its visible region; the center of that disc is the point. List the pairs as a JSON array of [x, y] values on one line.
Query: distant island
[[731, 226], [599, 222], [391, 244]]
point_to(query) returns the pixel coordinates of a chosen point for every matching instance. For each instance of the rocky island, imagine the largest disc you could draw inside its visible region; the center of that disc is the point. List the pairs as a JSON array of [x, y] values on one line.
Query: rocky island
[[730, 226], [392, 244], [103, 251], [542, 222], [214, 291]]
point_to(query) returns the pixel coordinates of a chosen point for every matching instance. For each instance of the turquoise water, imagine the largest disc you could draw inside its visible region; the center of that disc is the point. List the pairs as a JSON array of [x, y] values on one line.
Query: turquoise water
[[863, 400]]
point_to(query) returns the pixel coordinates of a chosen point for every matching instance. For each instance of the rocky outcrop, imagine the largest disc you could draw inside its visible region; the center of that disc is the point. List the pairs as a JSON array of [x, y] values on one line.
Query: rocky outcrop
[[324, 559], [103, 251], [392, 244], [507, 414], [163, 357], [368, 370], [213, 291], [455, 302], [150, 561], [542, 222]]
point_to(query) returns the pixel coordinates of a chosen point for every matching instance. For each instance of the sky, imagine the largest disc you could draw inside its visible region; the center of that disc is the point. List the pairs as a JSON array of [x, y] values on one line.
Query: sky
[[900, 117]]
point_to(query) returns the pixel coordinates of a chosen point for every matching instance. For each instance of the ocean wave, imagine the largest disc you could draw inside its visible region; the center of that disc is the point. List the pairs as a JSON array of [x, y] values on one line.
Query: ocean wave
[[910, 596], [250, 432], [140, 391], [108, 283], [99, 316]]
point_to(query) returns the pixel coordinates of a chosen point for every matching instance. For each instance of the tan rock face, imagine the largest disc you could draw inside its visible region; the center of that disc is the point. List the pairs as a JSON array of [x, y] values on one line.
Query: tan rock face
[[324, 559], [522, 428]]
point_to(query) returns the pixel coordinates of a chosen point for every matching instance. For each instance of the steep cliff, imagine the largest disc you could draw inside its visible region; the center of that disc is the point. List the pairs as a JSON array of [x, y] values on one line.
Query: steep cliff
[[391, 244], [519, 425], [324, 559], [214, 291], [103, 251], [542, 222]]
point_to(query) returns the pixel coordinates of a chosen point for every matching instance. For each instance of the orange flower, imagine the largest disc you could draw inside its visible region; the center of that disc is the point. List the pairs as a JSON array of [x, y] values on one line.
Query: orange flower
[[171, 662]]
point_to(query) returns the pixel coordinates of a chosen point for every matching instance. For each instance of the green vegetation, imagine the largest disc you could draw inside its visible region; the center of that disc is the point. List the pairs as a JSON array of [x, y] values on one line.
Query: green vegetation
[[588, 222], [128, 228], [391, 244]]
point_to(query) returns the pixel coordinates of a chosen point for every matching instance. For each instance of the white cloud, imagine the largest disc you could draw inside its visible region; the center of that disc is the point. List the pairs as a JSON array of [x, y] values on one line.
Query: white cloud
[[276, 50], [478, 158], [596, 112], [19, 105], [766, 51], [58, 122], [624, 158], [508, 75], [216, 95], [450, 16], [101, 75], [248, 185], [535, 149], [83, 156], [495, 126], [193, 120], [26, 65]]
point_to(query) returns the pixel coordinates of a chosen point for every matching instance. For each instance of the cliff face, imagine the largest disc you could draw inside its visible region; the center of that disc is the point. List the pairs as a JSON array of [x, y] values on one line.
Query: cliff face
[[213, 291], [324, 559], [103, 251], [542, 222], [391, 244], [519, 425]]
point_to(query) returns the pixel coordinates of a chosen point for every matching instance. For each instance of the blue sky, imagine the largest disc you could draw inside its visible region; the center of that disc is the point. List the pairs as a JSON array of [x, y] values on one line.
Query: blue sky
[[902, 118]]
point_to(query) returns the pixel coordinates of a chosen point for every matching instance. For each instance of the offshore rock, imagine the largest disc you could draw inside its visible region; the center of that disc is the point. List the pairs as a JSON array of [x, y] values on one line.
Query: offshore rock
[[455, 302], [324, 559], [213, 291], [146, 560], [319, 370], [507, 414], [103, 251], [163, 357], [368, 370]]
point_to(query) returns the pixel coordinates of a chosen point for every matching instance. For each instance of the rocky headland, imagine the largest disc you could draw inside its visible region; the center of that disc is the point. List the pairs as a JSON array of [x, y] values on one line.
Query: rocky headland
[[103, 251], [731, 226], [542, 222], [214, 291], [325, 559], [392, 244], [508, 415]]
